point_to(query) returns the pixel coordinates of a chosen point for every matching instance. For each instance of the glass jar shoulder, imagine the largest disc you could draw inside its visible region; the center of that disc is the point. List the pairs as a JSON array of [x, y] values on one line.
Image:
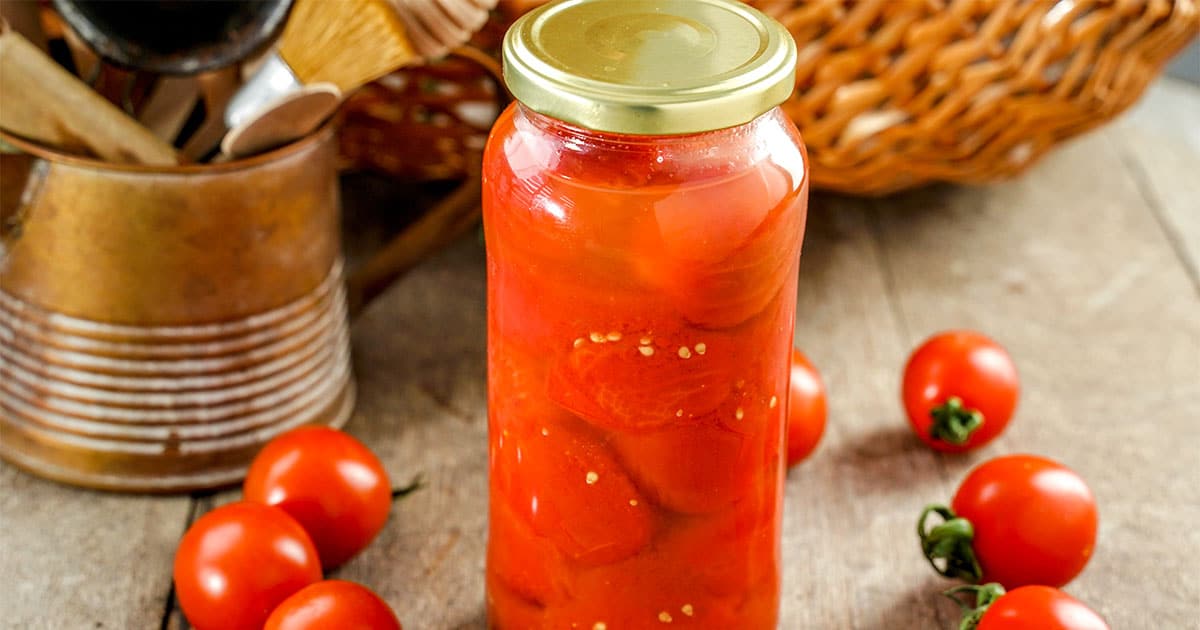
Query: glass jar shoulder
[[561, 174]]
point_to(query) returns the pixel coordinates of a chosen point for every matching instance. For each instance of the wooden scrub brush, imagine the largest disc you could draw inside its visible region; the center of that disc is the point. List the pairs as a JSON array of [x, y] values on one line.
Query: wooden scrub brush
[[334, 47]]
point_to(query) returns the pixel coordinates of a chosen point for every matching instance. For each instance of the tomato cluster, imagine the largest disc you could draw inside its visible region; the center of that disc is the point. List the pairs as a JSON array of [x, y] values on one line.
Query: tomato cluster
[[1019, 522], [313, 498]]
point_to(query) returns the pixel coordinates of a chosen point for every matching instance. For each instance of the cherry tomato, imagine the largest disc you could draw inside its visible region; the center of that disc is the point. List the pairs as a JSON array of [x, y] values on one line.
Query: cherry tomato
[[806, 409], [1016, 520], [333, 604], [329, 482], [960, 390], [238, 562], [1040, 607]]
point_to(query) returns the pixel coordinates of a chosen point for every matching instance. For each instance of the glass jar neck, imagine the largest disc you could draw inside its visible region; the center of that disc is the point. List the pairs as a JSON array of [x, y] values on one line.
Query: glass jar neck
[[569, 132]]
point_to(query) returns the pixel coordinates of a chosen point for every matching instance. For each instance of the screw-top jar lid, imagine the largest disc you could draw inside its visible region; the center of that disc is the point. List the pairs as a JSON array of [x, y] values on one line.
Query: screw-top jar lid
[[649, 67]]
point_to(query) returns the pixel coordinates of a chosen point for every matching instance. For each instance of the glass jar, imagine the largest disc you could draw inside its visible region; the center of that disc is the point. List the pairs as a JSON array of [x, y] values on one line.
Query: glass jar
[[644, 205]]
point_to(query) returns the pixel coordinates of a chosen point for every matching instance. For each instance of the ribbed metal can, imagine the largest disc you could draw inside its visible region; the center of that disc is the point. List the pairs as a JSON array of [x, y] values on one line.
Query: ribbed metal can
[[159, 325]]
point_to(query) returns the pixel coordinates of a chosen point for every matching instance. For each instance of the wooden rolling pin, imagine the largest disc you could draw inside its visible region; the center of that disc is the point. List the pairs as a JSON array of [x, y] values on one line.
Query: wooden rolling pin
[[46, 104]]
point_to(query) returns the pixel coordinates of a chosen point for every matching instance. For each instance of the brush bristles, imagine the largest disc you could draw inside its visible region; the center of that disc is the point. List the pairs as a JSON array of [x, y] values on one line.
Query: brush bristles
[[345, 42]]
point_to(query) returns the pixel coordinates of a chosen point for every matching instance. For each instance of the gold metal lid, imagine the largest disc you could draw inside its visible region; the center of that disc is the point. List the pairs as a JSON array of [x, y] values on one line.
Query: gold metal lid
[[649, 67]]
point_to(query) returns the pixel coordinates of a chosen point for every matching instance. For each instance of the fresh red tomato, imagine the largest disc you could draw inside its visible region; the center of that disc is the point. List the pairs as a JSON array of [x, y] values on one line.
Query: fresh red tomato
[[1016, 520], [960, 390], [806, 409], [1025, 608], [333, 604], [330, 483], [238, 562]]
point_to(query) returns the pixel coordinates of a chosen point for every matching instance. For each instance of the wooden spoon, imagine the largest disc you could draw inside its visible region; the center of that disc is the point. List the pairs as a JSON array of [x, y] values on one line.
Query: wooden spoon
[[216, 88], [45, 103]]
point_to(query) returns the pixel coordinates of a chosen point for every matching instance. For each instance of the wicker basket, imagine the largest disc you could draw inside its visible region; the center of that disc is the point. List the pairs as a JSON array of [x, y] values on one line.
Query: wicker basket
[[890, 94]]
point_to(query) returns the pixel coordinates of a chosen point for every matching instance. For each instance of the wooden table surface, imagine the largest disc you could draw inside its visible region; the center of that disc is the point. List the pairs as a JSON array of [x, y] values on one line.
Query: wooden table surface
[[1087, 269]]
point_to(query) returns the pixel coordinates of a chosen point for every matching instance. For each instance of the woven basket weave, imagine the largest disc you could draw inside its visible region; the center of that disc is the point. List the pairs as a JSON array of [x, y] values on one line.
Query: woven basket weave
[[890, 94], [429, 122]]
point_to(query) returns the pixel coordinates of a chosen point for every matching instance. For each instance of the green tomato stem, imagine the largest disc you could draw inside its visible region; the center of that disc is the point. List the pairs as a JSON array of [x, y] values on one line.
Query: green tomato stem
[[954, 423], [950, 541], [984, 595]]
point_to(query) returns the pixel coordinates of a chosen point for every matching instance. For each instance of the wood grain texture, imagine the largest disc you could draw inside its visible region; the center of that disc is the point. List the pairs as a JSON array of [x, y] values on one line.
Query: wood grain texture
[[1073, 267], [423, 396], [850, 554], [1159, 144], [75, 559], [1069, 269]]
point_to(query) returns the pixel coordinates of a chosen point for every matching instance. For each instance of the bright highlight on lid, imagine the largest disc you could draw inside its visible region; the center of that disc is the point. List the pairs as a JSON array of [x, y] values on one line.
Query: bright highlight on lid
[[649, 67]]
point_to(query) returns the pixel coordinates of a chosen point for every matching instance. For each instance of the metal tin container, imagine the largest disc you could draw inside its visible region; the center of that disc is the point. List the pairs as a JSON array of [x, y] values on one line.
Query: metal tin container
[[159, 325]]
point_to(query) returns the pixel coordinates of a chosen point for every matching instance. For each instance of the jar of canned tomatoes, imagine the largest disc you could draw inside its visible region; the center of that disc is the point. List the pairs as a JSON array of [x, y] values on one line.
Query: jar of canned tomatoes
[[644, 204]]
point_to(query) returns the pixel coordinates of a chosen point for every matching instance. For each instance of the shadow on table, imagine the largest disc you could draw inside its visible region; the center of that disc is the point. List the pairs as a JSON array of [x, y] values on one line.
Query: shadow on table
[[878, 462], [478, 621], [925, 595], [890, 441]]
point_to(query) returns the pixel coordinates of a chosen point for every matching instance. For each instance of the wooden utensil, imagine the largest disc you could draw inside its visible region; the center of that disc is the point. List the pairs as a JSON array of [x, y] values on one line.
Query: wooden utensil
[[24, 17], [438, 26], [291, 118], [45, 103], [216, 87], [169, 105], [346, 43]]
